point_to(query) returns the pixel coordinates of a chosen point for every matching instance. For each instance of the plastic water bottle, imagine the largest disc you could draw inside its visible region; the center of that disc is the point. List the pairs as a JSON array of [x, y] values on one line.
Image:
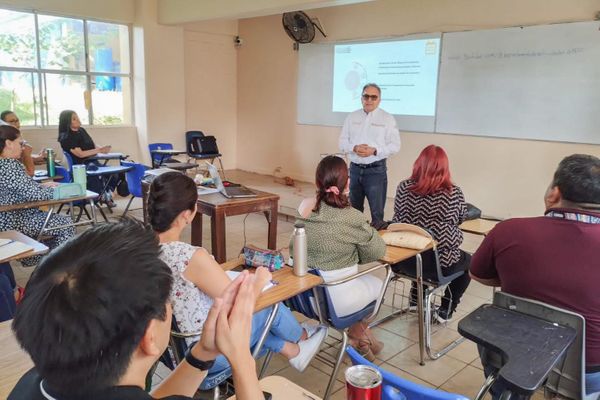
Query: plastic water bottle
[[300, 256], [50, 163]]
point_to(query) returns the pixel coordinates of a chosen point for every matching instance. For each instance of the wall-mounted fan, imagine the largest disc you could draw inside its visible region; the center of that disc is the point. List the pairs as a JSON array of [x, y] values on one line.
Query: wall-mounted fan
[[300, 27]]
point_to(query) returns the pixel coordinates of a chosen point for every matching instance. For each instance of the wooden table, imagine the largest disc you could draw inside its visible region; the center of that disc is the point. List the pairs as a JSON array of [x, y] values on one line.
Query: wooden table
[[14, 362], [478, 226], [283, 389], [217, 207], [38, 248], [51, 203]]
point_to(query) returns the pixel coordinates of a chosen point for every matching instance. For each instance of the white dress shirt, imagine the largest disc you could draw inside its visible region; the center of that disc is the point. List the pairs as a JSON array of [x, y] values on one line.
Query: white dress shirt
[[376, 129]]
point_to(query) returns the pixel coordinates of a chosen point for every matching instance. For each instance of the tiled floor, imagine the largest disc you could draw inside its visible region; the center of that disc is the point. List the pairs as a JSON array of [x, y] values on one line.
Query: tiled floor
[[459, 371]]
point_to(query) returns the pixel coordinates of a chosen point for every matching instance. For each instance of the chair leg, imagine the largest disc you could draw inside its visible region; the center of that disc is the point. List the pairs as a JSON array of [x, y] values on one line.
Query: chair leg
[[427, 322], [80, 213], [265, 364], [486, 386], [128, 204], [336, 368], [101, 212], [216, 393], [222, 169]]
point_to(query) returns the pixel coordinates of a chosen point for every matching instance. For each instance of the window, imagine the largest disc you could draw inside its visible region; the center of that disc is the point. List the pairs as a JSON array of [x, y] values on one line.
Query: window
[[51, 63]]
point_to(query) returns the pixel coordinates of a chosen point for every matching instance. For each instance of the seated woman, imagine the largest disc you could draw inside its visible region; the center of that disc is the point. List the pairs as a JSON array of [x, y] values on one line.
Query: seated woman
[[28, 158], [338, 239], [79, 144], [430, 200], [17, 187], [198, 279]]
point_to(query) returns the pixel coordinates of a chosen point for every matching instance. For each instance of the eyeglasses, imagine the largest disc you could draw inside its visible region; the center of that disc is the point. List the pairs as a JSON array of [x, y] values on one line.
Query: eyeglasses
[[368, 97]]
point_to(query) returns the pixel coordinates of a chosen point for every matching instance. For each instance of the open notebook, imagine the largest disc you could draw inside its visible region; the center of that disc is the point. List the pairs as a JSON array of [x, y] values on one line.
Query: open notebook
[[234, 274], [10, 248]]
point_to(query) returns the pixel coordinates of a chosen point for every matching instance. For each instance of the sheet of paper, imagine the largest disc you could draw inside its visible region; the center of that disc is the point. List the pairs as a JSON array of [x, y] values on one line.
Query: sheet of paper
[[234, 274]]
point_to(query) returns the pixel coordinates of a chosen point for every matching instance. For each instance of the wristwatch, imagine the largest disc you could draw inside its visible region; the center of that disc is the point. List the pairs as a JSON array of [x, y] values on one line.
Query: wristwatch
[[196, 363]]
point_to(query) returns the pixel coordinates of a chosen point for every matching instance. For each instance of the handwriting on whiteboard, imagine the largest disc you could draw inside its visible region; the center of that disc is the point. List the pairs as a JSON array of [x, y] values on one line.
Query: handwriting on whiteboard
[[499, 55]]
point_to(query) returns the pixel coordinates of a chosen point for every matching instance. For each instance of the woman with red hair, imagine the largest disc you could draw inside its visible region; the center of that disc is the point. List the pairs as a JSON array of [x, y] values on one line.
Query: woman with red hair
[[430, 200]]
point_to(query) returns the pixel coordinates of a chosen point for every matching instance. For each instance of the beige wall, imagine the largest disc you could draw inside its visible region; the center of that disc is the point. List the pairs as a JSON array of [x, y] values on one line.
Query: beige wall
[[211, 84], [503, 177], [122, 140]]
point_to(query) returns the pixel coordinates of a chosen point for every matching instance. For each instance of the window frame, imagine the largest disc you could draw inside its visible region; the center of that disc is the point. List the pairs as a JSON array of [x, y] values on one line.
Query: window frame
[[40, 99]]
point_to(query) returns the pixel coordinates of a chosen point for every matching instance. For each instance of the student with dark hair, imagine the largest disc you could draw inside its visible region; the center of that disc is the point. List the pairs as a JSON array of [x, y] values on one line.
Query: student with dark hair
[[554, 258], [27, 157], [431, 201], [338, 239], [92, 336], [75, 140], [198, 280], [17, 187]]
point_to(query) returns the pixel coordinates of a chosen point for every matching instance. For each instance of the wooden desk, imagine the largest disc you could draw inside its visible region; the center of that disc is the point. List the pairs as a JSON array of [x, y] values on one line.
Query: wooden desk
[[478, 226], [38, 248], [51, 203], [283, 389], [394, 255], [14, 362], [217, 207]]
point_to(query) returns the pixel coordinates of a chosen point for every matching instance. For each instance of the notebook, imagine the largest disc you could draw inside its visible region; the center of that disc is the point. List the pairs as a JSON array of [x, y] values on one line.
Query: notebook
[[10, 248], [234, 274]]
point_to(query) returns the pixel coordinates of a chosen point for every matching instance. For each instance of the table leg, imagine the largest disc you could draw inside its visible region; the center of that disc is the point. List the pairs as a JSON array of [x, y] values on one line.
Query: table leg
[[50, 212], [217, 229], [93, 209], [197, 230], [420, 309], [272, 241]]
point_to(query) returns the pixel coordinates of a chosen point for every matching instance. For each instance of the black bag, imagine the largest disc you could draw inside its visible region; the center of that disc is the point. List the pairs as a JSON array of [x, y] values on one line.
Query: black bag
[[204, 145], [472, 212]]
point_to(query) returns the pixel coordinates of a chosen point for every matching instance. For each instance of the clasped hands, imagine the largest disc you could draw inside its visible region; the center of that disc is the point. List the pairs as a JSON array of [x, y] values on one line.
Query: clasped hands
[[364, 150], [228, 324]]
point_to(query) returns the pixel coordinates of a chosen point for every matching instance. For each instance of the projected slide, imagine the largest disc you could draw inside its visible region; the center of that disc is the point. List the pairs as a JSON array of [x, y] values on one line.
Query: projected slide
[[406, 71]]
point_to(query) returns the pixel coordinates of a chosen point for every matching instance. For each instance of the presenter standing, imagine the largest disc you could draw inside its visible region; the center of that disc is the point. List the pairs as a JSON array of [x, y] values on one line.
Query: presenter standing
[[369, 136]]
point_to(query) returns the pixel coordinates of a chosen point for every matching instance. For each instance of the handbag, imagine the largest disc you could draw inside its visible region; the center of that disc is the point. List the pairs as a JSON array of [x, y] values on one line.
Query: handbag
[[257, 257]]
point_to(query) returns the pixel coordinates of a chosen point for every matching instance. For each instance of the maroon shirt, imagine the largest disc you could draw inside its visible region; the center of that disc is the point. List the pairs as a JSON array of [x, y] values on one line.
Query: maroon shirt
[[549, 259]]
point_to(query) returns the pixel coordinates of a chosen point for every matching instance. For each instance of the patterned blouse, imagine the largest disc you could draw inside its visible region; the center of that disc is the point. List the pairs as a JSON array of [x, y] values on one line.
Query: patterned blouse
[[440, 213], [339, 238], [17, 187], [190, 304]]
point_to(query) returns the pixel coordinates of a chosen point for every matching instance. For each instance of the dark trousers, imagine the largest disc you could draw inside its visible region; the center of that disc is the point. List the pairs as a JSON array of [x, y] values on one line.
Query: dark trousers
[[455, 289], [369, 181], [7, 297]]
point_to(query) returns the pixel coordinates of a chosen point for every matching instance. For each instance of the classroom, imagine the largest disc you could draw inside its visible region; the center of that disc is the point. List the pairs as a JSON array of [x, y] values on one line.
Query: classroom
[[506, 116]]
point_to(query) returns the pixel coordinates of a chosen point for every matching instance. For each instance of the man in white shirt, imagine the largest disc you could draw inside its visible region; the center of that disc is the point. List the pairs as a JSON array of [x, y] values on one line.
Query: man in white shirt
[[369, 136]]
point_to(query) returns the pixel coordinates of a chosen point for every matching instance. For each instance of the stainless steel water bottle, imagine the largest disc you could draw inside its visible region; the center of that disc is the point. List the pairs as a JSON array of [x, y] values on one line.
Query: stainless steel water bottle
[[50, 162], [300, 262]]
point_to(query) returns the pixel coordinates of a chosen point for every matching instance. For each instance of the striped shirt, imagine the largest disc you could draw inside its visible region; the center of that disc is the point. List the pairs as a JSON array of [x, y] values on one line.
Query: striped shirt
[[440, 213]]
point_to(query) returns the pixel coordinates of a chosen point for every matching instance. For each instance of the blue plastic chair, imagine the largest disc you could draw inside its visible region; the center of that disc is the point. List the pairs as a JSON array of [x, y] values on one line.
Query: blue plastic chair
[[396, 388], [325, 312], [158, 159], [134, 180]]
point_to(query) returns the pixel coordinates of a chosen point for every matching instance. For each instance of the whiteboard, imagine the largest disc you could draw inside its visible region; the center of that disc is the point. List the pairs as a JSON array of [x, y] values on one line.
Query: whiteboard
[[539, 82]]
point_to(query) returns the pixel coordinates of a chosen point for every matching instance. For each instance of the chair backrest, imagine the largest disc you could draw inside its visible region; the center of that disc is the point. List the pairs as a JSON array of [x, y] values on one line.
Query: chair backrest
[[134, 177], [306, 302], [68, 160], [65, 173], [158, 146], [198, 143], [397, 388], [567, 378]]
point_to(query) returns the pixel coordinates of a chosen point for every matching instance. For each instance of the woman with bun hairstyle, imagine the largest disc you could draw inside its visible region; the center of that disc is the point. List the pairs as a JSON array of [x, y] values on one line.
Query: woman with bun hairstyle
[[198, 279]]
